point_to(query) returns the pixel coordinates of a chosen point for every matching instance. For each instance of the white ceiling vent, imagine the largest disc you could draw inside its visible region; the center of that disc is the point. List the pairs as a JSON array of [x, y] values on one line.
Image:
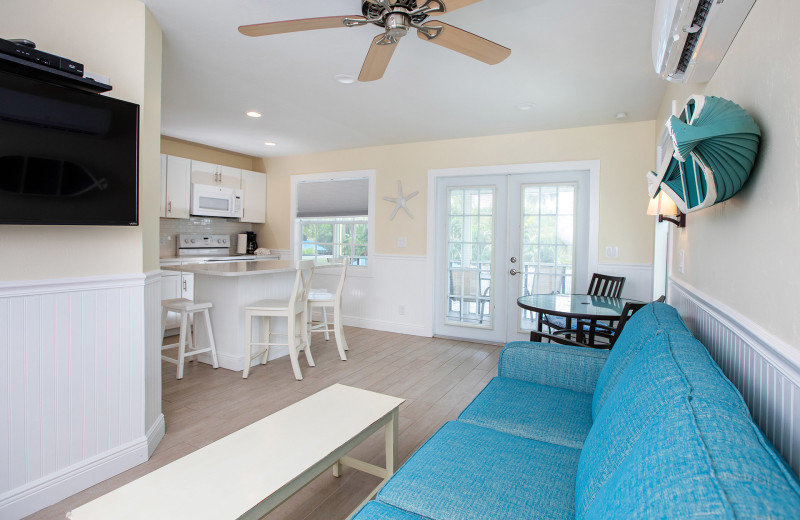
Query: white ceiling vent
[[690, 37]]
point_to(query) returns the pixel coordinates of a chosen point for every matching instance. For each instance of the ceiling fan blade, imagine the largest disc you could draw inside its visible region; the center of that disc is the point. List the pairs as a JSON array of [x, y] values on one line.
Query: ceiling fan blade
[[377, 60], [466, 43], [306, 24], [452, 5]]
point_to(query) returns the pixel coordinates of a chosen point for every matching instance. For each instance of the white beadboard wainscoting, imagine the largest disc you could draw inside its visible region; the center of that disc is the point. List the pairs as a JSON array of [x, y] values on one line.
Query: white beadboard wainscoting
[[765, 369], [80, 391], [638, 279], [389, 296]]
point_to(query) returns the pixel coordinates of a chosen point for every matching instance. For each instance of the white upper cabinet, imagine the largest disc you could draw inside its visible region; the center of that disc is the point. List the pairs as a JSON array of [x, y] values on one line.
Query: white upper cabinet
[[216, 175], [175, 177], [254, 197], [163, 201]]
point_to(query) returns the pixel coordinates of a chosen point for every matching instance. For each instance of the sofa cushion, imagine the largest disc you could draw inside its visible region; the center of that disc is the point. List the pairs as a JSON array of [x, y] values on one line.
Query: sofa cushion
[[375, 510], [651, 382], [640, 329], [756, 480], [542, 413], [467, 472], [667, 474]]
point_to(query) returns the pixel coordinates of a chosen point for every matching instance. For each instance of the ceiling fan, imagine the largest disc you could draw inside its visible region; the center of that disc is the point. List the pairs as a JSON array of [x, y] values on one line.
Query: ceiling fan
[[396, 17]]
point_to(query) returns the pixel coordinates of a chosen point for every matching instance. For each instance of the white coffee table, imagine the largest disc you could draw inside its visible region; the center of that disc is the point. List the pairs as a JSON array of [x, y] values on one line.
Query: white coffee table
[[252, 471]]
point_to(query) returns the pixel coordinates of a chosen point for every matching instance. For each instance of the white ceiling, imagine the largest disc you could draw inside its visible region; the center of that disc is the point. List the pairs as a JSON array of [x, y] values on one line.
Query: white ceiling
[[580, 61]]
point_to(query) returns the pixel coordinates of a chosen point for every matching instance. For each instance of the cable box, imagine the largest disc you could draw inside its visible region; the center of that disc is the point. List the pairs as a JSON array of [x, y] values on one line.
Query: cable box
[[32, 69]]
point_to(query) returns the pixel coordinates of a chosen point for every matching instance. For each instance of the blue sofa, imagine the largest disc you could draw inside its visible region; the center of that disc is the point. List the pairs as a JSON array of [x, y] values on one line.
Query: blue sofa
[[651, 429]]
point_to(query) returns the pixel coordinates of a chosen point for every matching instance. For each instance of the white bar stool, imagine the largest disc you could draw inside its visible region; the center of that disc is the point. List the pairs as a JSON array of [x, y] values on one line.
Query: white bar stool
[[186, 309], [295, 310], [323, 300]]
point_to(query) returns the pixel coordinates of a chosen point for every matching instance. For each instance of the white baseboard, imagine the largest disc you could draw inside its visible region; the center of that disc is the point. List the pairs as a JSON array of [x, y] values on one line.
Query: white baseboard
[[155, 434], [386, 326], [23, 501]]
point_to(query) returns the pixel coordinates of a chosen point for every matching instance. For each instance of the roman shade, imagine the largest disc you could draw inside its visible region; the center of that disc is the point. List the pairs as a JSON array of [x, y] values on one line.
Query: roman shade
[[333, 198]]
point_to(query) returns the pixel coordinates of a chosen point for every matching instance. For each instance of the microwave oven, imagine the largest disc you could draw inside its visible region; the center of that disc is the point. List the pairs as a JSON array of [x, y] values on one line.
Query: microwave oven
[[213, 201]]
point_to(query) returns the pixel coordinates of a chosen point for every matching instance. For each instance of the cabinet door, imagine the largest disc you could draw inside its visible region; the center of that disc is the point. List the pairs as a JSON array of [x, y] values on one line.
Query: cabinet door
[[171, 288], [254, 196], [178, 197], [187, 286], [230, 177], [163, 201], [205, 173]]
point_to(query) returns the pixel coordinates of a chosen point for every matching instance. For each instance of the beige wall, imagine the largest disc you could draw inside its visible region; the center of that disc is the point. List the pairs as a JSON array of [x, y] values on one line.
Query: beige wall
[[113, 38], [743, 252], [199, 152], [625, 152]]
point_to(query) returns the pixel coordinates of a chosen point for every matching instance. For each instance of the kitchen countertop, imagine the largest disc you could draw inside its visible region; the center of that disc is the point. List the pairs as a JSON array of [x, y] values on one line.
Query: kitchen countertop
[[253, 267]]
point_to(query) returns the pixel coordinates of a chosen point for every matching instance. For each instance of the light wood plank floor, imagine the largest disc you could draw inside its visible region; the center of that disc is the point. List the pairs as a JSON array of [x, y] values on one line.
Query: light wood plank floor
[[437, 377]]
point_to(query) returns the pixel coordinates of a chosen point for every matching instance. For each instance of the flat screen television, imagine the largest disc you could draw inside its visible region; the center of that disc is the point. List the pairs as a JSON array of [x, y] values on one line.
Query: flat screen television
[[67, 157]]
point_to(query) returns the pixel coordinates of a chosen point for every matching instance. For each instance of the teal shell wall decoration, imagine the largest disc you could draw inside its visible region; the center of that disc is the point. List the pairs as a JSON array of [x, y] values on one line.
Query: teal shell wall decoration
[[713, 147]]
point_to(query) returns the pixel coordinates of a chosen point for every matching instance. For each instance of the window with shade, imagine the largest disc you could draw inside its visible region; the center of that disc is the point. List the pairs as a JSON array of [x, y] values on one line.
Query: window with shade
[[333, 219]]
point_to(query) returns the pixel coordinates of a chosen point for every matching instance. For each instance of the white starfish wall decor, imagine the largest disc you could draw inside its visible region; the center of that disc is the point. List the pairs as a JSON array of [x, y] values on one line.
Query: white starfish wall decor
[[400, 201]]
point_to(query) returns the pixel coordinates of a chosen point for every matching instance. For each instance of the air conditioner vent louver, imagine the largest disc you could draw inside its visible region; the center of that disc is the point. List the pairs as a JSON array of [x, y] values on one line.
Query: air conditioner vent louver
[[699, 21]]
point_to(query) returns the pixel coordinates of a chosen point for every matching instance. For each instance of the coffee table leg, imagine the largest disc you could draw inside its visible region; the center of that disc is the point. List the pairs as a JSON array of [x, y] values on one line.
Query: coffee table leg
[[337, 469], [391, 443]]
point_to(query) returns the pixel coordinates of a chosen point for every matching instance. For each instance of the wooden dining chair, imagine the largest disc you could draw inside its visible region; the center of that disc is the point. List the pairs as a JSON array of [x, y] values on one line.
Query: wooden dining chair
[[562, 336]]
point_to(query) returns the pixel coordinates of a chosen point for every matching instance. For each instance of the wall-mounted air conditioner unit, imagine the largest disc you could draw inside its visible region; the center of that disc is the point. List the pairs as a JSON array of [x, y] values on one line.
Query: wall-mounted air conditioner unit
[[690, 37]]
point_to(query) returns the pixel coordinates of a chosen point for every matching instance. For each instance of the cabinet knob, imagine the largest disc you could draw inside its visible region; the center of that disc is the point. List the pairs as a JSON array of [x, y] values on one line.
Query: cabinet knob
[[169, 207]]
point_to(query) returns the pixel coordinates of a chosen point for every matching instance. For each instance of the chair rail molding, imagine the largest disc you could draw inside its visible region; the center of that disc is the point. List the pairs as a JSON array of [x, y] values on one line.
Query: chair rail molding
[[764, 368], [82, 399]]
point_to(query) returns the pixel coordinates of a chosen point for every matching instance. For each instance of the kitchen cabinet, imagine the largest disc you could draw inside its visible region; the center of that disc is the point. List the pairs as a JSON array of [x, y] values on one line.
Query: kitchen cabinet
[[254, 197], [216, 175], [175, 179]]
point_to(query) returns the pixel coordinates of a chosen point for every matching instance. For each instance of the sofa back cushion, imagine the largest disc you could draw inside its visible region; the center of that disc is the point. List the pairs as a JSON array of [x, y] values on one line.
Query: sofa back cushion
[[637, 332], [681, 445], [651, 382], [667, 474]]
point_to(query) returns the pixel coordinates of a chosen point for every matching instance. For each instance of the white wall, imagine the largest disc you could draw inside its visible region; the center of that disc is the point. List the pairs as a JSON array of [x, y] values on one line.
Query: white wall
[[81, 399], [743, 252]]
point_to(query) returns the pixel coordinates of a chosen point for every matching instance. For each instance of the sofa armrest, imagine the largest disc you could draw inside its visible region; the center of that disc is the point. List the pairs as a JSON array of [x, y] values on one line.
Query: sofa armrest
[[562, 366]]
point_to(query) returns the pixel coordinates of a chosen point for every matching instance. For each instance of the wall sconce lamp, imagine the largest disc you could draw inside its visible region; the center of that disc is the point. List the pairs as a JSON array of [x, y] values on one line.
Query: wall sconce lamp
[[665, 208]]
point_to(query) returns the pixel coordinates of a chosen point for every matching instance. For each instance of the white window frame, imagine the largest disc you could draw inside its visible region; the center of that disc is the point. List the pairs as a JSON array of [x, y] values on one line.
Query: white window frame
[[296, 230]]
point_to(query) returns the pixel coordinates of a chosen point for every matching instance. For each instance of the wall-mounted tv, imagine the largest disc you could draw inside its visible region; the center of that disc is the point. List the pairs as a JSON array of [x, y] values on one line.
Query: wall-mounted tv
[[67, 156]]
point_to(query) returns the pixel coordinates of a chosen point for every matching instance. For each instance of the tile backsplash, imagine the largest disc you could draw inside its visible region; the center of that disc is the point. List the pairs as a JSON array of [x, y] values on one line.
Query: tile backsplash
[[172, 227]]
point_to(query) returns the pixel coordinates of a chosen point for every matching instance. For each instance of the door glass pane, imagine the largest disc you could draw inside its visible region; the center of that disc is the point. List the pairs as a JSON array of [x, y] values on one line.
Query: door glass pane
[[470, 248], [547, 242]]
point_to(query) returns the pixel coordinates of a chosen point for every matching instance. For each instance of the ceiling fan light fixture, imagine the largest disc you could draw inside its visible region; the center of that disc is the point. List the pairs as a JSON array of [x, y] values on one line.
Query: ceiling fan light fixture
[[270, 144], [397, 25], [526, 106]]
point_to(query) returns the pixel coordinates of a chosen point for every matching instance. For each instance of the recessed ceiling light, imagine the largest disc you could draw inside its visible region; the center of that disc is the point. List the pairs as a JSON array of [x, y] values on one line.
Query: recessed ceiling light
[[622, 115], [526, 106], [271, 144], [253, 114], [344, 79]]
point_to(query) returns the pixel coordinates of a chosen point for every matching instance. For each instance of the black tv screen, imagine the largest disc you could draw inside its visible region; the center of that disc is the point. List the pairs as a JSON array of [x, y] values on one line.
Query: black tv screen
[[66, 156]]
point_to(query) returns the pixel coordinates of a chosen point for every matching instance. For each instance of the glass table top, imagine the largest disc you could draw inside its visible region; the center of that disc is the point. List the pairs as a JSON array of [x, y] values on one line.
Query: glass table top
[[576, 305]]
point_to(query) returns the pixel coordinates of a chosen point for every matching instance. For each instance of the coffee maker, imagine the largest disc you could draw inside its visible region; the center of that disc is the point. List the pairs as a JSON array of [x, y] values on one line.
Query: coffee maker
[[252, 245]]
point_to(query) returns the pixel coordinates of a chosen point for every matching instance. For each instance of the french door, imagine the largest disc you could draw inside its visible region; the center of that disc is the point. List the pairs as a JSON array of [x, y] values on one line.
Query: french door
[[499, 237]]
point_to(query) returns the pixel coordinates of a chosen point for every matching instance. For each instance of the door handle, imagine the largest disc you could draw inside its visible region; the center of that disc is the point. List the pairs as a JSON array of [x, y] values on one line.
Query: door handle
[[513, 272]]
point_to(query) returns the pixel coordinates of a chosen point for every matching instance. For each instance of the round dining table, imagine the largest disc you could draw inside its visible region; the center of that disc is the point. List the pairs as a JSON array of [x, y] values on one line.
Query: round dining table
[[582, 313]]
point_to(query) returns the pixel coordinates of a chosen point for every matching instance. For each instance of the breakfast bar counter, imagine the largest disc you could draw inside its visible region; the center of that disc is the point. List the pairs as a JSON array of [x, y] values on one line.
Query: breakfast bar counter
[[227, 268], [229, 287]]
